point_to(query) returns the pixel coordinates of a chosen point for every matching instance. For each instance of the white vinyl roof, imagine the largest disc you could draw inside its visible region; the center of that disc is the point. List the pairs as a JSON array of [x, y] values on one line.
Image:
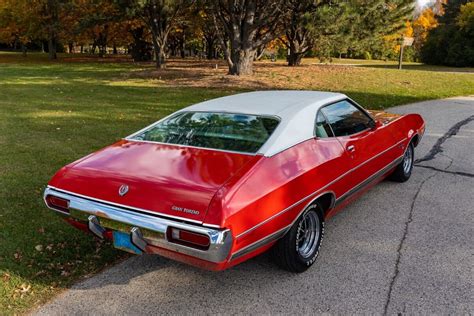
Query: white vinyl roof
[[296, 110]]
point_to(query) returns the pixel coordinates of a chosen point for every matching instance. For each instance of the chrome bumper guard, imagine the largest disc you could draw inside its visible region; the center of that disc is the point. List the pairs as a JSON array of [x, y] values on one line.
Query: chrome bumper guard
[[143, 229]]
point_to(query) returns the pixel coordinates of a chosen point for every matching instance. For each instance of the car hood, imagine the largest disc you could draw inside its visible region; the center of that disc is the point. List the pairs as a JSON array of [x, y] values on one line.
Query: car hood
[[166, 179]]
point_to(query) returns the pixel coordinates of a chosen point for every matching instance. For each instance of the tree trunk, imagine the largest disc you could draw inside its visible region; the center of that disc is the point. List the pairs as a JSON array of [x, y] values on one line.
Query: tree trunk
[[52, 48], [82, 48], [296, 51], [23, 50], [161, 60], [294, 59], [52, 10], [298, 43], [259, 53], [183, 46], [102, 50], [140, 49], [71, 47], [115, 49], [160, 57], [211, 52], [242, 62], [210, 47]]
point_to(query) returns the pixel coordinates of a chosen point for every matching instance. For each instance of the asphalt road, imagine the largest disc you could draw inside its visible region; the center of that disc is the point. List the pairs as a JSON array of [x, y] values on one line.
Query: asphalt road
[[401, 248]]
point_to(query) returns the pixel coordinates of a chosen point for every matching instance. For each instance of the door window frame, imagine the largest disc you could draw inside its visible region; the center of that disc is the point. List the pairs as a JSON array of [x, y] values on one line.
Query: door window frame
[[327, 122], [352, 102]]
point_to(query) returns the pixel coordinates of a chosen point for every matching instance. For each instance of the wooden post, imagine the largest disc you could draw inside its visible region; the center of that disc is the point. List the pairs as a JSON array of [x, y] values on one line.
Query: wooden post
[[406, 41], [400, 58]]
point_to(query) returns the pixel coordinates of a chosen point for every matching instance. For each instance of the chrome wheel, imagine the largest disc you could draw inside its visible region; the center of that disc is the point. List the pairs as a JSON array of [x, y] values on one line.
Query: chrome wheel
[[408, 160], [307, 235]]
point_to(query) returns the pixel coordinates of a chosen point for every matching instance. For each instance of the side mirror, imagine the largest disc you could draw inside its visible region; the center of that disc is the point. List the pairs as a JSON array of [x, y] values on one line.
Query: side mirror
[[374, 124]]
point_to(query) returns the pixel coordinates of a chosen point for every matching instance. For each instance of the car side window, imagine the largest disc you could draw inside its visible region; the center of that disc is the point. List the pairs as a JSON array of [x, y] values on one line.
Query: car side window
[[346, 119], [322, 129]]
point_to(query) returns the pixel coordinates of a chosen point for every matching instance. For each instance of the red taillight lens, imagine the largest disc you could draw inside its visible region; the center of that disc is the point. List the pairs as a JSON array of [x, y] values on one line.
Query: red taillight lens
[[58, 203], [188, 238]]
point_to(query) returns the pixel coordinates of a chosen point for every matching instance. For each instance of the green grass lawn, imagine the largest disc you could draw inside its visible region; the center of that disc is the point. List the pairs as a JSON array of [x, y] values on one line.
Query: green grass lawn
[[54, 113]]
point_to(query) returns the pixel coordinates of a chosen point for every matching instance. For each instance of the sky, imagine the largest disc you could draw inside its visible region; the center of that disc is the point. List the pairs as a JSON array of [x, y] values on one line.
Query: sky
[[422, 3]]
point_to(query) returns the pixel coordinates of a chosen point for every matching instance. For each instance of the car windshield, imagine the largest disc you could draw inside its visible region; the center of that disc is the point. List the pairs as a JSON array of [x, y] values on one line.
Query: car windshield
[[224, 131]]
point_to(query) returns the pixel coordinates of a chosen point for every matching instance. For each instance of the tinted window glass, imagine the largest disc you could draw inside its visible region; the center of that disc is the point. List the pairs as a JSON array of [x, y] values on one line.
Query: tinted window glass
[[345, 118], [322, 127], [235, 132]]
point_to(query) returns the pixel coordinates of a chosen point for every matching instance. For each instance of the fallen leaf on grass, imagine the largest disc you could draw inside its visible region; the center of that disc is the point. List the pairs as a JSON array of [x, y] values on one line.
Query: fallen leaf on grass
[[39, 247], [25, 288], [6, 277], [22, 291]]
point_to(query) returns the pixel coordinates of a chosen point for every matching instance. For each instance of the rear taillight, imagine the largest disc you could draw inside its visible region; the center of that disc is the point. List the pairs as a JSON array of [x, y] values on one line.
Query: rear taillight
[[58, 203], [187, 238]]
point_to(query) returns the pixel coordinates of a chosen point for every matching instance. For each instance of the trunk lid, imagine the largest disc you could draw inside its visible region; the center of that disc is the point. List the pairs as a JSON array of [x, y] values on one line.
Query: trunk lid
[[166, 179]]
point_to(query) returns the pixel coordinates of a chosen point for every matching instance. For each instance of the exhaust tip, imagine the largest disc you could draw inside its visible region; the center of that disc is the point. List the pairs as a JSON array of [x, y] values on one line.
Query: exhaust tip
[[95, 227], [136, 237]]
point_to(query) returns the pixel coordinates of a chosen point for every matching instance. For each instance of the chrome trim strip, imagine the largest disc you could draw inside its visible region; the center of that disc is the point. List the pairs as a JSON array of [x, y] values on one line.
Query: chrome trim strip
[[188, 146], [259, 243], [186, 109], [126, 206], [130, 137], [211, 226], [355, 104], [333, 202], [276, 235], [317, 191], [367, 181], [153, 228]]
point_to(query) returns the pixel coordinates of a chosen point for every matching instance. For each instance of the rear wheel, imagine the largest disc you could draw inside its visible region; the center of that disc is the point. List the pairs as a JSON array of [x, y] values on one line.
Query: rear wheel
[[299, 248], [403, 170]]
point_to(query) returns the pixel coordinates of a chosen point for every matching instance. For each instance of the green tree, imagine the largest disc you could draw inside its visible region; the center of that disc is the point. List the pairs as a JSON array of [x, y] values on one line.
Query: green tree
[[373, 20], [452, 42], [160, 17], [243, 27]]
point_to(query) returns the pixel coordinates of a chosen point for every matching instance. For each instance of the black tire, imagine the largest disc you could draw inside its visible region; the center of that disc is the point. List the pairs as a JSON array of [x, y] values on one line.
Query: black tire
[[290, 252], [403, 170]]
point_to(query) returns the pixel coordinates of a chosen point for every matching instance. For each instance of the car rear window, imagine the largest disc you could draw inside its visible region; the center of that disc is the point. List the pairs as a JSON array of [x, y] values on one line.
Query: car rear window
[[224, 131]]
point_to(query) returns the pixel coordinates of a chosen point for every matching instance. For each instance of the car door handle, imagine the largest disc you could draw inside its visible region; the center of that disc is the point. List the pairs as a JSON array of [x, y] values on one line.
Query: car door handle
[[351, 148]]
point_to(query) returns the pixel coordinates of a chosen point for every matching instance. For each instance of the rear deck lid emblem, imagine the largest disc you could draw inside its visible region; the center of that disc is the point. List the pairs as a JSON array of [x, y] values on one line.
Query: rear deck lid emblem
[[123, 189]]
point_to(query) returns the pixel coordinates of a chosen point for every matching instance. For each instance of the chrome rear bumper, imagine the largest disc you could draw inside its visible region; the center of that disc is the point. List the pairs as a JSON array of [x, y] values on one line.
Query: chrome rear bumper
[[151, 229]]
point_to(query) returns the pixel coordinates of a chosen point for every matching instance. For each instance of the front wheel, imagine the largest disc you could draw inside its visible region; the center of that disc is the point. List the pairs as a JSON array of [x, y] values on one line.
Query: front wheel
[[299, 248], [403, 170]]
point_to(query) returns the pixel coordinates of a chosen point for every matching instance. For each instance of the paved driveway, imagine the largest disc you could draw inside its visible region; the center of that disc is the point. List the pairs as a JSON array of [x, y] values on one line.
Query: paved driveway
[[401, 248]]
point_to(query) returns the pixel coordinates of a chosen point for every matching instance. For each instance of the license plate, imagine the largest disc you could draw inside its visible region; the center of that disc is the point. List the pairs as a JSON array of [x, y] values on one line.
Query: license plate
[[124, 242]]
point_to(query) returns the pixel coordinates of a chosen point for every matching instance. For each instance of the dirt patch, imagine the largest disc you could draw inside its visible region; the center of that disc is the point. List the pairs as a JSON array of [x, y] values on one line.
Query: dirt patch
[[213, 74]]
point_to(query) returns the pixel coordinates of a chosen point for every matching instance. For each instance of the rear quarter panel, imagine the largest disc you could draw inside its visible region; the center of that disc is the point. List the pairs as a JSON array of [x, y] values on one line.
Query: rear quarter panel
[[269, 190], [270, 194], [407, 127]]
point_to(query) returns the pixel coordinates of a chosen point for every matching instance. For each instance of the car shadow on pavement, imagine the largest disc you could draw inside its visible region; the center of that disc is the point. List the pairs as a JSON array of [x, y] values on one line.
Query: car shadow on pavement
[[358, 252]]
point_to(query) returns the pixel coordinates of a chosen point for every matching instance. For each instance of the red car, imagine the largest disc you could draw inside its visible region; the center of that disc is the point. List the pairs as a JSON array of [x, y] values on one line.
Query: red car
[[222, 181]]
